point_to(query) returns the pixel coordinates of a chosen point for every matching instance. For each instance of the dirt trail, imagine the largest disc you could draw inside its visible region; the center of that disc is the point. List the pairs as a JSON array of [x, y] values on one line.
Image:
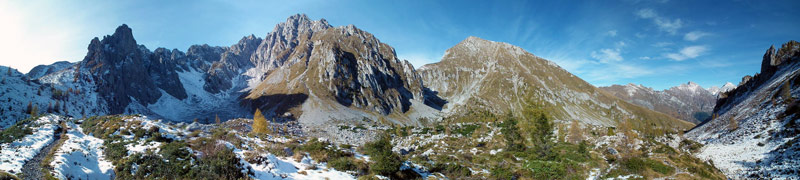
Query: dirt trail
[[33, 168]]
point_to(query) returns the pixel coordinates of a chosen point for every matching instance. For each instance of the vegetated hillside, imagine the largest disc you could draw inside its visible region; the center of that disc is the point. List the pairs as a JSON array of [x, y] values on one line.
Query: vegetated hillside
[[688, 101], [489, 146], [754, 129], [480, 74]]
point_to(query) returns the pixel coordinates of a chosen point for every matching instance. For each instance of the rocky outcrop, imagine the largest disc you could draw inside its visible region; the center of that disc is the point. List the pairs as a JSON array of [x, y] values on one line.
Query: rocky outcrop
[[119, 68], [286, 43], [232, 63], [772, 62]]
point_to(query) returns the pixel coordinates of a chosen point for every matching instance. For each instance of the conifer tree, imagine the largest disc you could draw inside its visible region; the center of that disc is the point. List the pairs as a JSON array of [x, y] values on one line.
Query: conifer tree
[[29, 108], [57, 107], [34, 111], [259, 122]]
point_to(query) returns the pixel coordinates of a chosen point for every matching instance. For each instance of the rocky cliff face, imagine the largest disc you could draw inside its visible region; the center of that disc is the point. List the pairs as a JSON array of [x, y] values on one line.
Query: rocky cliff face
[[478, 74], [232, 63], [120, 68], [753, 132], [688, 101], [330, 68]]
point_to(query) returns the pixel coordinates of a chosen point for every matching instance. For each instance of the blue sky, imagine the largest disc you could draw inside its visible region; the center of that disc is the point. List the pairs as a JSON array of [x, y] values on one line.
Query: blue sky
[[659, 43]]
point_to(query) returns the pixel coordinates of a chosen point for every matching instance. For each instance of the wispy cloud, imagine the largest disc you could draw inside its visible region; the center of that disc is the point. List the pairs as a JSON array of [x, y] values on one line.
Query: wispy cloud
[[688, 52], [694, 35], [607, 55], [664, 24], [662, 44], [611, 73], [612, 33]]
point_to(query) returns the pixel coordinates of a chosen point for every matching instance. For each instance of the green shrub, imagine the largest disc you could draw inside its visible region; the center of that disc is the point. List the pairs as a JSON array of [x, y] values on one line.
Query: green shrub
[[690, 145], [175, 161], [319, 151], [439, 129], [220, 165], [451, 170], [5, 175], [140, 133], [382, 145], [342, 164], [546, 169], [14, 132], [466, 130], [639, 165], [510, 131], [501, 173], [385, 162], [115, 151], [660, 167]]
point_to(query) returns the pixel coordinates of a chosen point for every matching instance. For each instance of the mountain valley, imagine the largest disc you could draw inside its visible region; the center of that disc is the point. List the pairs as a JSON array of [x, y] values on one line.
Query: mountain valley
[[311, 100]]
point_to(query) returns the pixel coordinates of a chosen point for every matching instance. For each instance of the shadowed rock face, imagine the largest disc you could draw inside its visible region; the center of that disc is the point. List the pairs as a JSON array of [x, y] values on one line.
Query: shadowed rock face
[[232, 62], [120, 70]]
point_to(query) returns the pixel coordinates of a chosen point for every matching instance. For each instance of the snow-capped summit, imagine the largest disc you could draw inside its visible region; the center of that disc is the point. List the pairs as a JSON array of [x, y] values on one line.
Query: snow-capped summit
[[688, 101], [715, 90], [727, 87]]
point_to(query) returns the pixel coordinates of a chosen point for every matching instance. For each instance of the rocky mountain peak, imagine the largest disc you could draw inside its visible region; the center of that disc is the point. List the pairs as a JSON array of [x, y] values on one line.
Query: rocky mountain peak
[[689, 87], [716, 90], [123, 38], [484, 51], [301, 23]]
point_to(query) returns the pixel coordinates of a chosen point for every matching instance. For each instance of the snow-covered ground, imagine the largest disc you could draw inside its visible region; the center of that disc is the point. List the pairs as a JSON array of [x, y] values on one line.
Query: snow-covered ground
[[81, 157], [279, 168], [14, 155], [754, 144]]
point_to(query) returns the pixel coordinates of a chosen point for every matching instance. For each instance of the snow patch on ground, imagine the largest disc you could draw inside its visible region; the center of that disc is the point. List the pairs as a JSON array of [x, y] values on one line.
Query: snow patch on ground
[[81, 157], [14, 155]]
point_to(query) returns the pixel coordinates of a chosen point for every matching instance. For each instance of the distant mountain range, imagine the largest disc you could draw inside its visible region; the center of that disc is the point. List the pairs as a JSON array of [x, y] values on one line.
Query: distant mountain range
[[328, 79], [688, 101], [314, 73]]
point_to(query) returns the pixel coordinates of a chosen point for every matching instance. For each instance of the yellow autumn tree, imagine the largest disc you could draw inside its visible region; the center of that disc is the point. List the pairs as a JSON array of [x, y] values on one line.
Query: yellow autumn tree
[[575, 132], [259, 122]]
